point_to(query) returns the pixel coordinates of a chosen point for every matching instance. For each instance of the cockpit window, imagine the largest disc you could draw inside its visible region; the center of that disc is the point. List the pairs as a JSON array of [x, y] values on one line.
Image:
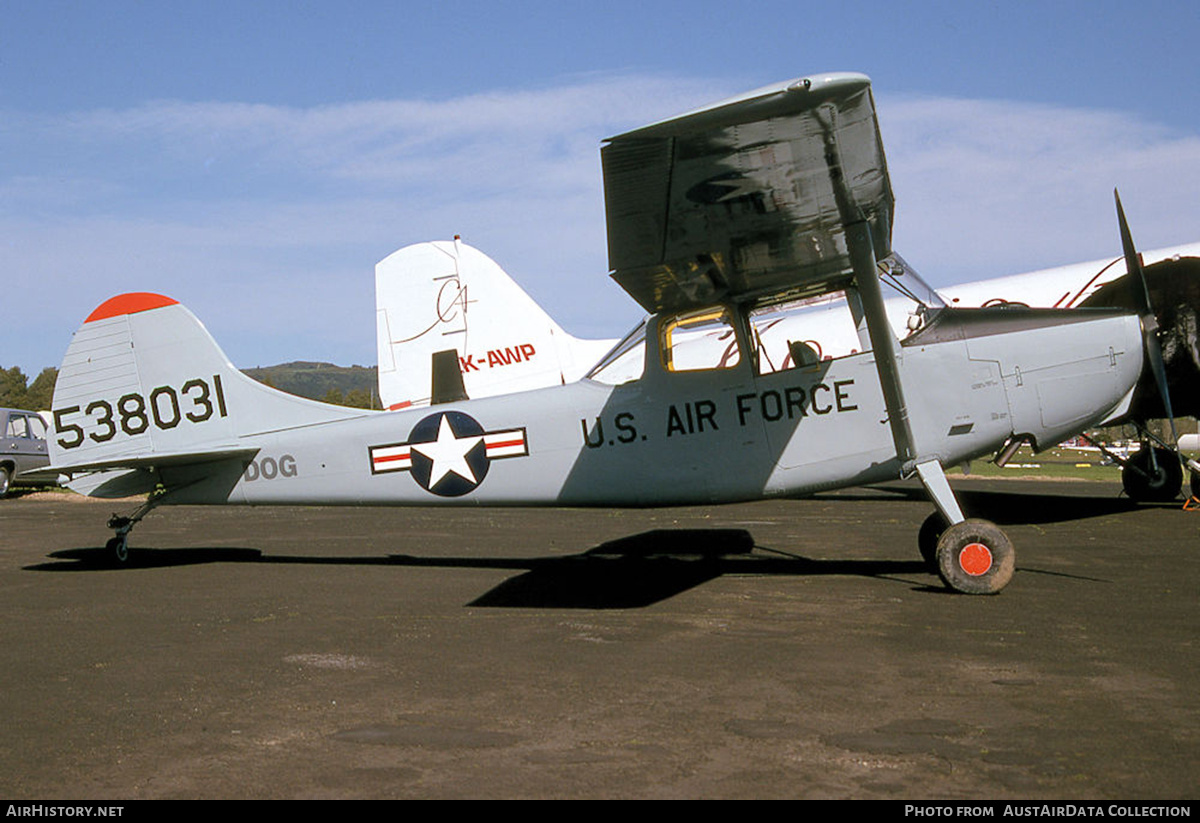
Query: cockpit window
[[798, 333], [804, 332], [699, 341]]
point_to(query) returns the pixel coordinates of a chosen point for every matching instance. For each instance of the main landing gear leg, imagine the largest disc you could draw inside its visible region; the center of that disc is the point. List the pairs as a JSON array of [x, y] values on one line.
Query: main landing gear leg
[[118, 546], [971, 556]]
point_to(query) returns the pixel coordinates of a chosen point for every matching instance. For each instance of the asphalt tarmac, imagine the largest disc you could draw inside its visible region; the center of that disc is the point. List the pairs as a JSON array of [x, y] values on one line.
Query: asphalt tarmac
[[786, 649]]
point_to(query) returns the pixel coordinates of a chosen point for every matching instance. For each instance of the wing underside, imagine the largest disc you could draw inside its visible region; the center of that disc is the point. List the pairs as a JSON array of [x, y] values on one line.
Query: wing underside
[[749, 197]]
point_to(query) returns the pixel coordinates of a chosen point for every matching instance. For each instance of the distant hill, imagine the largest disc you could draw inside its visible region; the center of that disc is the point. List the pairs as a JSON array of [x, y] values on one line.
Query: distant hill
[[348, 385]]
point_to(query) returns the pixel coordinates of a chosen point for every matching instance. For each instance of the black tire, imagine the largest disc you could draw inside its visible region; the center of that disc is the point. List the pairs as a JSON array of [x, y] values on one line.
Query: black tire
[[1195, 484], [975, 557], [5, 476], [118, 550], [927, 539], [1144, 485]]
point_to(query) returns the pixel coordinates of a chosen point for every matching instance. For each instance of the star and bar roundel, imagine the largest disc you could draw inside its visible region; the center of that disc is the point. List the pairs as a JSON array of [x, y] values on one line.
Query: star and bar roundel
[[448, 453]]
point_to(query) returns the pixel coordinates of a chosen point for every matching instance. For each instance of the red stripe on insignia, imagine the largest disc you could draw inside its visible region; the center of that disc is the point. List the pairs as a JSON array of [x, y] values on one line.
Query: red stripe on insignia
[[391, 457], [518, 442], [131, 303]]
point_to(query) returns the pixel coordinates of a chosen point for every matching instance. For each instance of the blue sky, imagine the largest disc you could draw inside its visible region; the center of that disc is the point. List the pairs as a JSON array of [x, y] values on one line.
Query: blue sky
[[255, 160]]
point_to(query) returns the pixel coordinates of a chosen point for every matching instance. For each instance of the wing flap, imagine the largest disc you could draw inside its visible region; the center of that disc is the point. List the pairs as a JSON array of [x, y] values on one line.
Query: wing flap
[[748, 197]]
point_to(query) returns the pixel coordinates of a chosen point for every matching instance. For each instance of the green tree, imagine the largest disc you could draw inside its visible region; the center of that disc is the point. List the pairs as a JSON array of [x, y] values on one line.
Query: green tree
[[41, 393], [13, 388], [358, 398]]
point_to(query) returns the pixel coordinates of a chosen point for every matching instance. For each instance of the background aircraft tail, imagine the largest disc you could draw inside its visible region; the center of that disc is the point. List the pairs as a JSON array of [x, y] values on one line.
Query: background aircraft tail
[[144, 386], [430, 297]]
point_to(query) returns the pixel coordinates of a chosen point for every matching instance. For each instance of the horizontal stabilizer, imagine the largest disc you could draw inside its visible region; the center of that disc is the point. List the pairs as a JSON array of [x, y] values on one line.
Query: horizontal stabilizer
[[155, 460]]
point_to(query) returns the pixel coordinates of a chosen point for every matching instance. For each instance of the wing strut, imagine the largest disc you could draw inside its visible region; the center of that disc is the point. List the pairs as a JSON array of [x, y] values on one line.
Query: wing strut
[[883, 341], [884, 345]]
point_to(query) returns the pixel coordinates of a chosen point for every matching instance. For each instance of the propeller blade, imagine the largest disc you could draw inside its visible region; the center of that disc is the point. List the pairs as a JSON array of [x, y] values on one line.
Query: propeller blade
[[1133, 265]]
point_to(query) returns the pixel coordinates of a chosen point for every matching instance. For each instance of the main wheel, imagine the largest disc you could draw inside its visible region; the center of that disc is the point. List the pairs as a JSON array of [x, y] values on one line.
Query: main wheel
[[4, 476], [118, 549], [1145, 484], [1195, 485], [927, 539], [975, 557]]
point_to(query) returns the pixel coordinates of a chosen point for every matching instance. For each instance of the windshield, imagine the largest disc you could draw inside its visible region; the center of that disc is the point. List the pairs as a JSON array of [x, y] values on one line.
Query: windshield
[[895, 273], [625, 361]]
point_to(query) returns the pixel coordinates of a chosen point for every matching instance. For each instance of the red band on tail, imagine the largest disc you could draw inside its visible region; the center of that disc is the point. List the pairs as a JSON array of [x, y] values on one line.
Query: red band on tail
[[131, 303]]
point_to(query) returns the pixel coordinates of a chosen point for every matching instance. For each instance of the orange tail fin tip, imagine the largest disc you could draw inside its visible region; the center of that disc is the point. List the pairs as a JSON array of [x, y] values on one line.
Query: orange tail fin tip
[[130, 303]]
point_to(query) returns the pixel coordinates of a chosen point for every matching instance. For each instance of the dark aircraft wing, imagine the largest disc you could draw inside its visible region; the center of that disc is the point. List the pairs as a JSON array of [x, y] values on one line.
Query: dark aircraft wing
[[742, 199]]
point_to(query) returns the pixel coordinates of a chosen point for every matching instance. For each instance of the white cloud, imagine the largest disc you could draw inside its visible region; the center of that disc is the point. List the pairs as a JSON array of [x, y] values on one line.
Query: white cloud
[[268, 220], [986, 188]]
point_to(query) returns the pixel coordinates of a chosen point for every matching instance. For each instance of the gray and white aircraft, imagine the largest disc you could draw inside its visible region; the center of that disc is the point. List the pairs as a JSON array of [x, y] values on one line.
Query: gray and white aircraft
[[716, 219]]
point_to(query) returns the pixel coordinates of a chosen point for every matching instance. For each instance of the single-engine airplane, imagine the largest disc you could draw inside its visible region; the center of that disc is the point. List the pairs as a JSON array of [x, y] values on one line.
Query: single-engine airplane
[[434, 295], [715, 219]]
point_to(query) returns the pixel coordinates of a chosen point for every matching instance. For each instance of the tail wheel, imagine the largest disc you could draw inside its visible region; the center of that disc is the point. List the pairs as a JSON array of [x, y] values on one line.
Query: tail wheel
[[118, 550], [975, 557], [1156, 480]]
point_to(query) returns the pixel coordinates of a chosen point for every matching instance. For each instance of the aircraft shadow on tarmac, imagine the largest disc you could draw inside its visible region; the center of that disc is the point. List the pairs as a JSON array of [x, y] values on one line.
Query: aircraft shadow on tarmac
[[629, 572], [644, 568]]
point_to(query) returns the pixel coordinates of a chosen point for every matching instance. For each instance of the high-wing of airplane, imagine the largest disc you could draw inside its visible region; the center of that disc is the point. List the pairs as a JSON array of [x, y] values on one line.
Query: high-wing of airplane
[[716, 218], [516, 346]]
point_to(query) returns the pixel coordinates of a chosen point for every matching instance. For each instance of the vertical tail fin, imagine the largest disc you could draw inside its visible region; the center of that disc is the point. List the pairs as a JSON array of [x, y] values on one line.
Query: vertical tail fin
[[435, 296], [142, 378]]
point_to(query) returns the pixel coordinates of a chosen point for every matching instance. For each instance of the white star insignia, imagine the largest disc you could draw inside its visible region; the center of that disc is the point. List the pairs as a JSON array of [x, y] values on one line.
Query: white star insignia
[[448, 453]]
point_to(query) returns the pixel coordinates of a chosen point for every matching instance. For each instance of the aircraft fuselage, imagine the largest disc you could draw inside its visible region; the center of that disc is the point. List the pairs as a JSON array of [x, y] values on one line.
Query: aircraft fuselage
[[683, 437]]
